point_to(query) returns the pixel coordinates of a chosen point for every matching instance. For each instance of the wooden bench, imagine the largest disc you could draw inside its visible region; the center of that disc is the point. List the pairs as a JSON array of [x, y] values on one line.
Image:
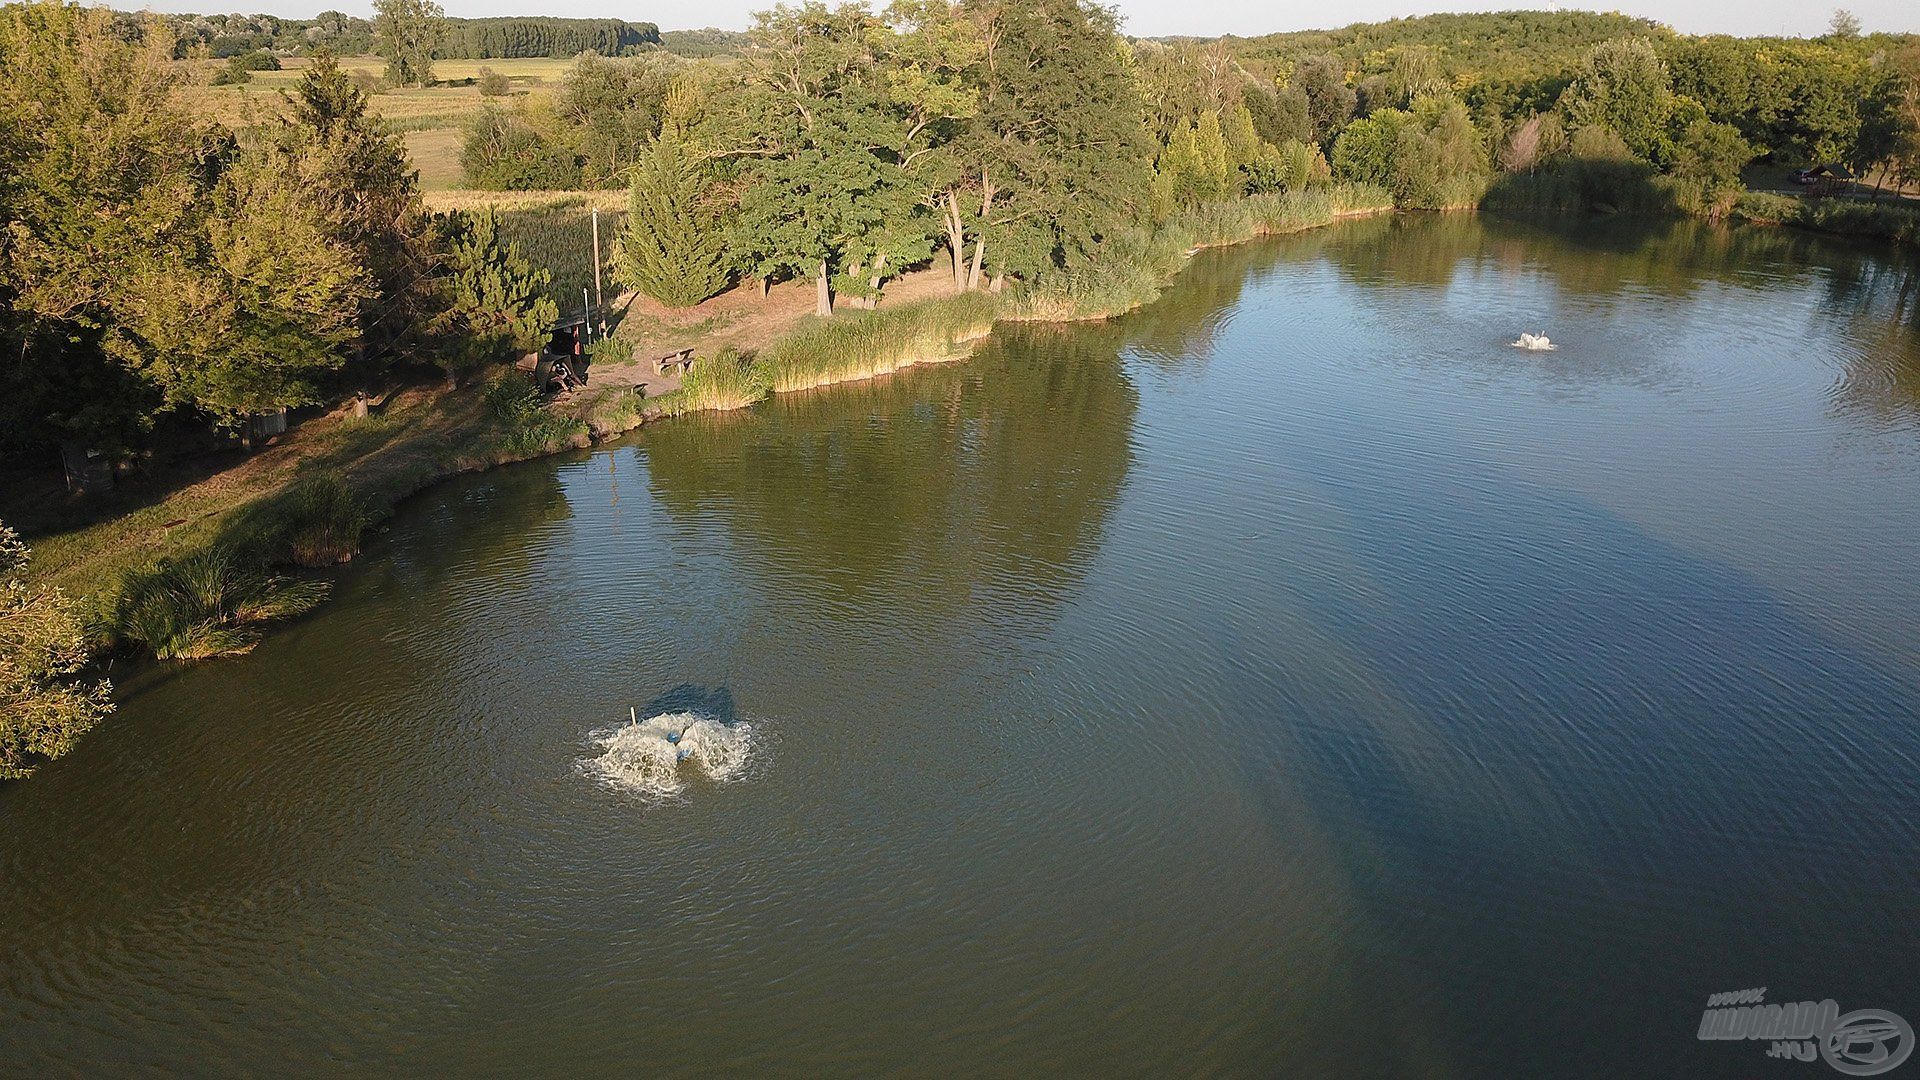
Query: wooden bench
[[682, 360]]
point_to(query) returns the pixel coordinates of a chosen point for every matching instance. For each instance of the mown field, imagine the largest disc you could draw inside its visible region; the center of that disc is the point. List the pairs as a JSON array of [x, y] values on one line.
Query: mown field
[[430, 119]]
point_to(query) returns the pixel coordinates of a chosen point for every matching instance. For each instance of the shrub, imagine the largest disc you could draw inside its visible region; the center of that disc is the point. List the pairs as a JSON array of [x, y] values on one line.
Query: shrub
[[43, 646], [324, 522], [494, 84], [526, 426]]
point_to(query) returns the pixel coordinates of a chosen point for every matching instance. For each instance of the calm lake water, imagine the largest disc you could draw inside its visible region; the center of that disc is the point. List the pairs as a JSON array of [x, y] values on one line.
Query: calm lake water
[[1289, 679]]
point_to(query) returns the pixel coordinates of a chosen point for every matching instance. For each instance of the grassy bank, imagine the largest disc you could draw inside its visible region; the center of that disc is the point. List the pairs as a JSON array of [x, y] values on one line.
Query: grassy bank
[[188, 571]]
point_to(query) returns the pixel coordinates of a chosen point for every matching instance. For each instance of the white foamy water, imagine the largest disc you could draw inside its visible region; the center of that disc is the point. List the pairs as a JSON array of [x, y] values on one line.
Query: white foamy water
[[657, 755]]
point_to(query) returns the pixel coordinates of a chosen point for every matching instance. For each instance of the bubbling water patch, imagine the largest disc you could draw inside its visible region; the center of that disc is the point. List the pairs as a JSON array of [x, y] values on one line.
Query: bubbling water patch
[[654, 756]]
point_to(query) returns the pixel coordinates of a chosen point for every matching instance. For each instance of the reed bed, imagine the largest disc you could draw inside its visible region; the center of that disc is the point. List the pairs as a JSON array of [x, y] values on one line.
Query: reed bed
[[862, 344]]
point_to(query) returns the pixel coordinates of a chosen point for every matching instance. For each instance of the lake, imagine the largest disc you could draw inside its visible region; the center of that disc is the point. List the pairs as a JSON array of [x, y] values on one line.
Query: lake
[[1291, 678]]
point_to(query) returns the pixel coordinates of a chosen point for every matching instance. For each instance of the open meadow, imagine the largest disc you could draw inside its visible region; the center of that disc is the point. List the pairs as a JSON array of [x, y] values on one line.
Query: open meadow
[[430, 119]]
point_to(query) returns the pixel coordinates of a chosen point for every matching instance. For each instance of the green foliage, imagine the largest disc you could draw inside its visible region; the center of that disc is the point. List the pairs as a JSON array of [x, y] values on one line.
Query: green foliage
[[672, 247], [1322, 83], [1708, 159], [1623, 86], [504, 151], [207, 604], [240, 67], [526, 427], [608, 110], [492, 83], [496, 303], [355, 174], [1470, 49], [44, 706], [520, 36], [406, 33]]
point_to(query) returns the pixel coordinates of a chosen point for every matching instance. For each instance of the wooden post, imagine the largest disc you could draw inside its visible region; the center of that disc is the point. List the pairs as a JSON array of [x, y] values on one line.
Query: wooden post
[[598, 300]]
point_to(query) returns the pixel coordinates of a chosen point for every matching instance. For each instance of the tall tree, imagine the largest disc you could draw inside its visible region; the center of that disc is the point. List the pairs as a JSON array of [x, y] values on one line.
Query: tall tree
[[812, 126], [1624, 86], [1060, 151], [406, 32], [1322, 81], [105, 192], [356, 176]]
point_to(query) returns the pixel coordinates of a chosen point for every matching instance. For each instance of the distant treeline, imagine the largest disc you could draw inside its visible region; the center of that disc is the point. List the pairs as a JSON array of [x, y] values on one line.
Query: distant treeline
[[511, 37], [346, 35]]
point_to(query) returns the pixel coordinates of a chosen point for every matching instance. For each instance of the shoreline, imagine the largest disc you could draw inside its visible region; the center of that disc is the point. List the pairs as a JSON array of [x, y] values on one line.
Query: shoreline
[[427, 435], [423, 435]]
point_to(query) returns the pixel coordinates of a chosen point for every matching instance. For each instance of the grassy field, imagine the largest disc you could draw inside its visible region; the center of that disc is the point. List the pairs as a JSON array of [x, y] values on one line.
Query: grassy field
[[431, 119]]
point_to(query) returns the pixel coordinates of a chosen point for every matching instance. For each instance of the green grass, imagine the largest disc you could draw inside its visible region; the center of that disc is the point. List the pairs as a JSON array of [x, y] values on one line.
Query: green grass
[[559, 237], [1135, 265], [209, 603], [723, 381]]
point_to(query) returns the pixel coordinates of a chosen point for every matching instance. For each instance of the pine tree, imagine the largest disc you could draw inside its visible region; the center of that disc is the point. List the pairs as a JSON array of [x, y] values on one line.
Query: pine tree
[[671, 248], [496, 302]]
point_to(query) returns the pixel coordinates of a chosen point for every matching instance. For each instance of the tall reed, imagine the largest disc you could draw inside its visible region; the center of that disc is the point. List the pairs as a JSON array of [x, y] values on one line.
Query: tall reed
[[207, 604], [861, 344]]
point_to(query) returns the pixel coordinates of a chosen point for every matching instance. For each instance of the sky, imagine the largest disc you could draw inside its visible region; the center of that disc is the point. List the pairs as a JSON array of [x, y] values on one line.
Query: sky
[[1152, 18]]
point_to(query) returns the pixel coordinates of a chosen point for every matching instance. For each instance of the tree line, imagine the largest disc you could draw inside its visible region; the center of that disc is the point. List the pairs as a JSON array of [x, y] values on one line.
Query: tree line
[[346, 35], [847, 144]]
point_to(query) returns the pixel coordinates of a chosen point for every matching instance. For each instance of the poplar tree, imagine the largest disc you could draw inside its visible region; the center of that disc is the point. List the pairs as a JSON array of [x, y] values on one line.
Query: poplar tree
[[406, 32]]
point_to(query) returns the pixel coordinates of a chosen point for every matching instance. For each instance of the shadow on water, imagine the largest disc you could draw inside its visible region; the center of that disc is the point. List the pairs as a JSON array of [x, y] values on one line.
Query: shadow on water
[[713, 702]]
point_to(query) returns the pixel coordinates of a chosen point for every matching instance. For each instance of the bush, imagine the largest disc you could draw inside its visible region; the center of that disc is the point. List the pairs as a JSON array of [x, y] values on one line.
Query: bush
[[526, 426], [324, 522], [1766, 208], [1584, 186], [503, 151], [43, 646], [207, 604], [493, 84]]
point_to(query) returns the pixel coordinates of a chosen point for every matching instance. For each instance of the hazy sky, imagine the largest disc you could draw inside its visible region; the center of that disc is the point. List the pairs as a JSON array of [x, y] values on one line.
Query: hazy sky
[[1155, 17]]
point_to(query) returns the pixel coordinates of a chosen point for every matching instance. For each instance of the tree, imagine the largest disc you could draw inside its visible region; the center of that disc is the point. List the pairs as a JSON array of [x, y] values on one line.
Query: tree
[[1708, 158], [105, 189], [1844, 25], [1623, 86], [506, 150], [810, 127], [1322, 80], [43, 708], [406, 32], [609, 110], [494, 303], [355, 174], [1059, 152], [672, 247]]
